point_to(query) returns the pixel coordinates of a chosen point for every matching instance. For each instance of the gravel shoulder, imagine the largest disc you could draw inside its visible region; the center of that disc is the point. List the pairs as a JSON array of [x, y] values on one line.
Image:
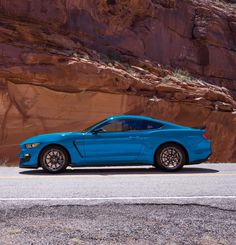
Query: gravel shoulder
[[118, 224]]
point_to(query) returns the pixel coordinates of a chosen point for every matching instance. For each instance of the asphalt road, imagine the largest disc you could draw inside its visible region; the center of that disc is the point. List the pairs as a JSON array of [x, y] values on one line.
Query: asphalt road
[[205, 182], [136, 205]]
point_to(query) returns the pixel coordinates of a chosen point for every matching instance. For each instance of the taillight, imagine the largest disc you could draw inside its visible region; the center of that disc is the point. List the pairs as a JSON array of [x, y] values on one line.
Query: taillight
[[205, 136]]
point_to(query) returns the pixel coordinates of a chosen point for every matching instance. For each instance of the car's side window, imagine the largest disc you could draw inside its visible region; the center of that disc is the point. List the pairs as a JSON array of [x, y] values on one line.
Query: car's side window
[[125, 125], [132, 125], [138, 124], [151, 125], [112, 126], [121, 125]]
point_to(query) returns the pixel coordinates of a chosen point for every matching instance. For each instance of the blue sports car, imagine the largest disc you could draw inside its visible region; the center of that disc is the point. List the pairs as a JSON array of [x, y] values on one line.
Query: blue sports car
[[118, 140]]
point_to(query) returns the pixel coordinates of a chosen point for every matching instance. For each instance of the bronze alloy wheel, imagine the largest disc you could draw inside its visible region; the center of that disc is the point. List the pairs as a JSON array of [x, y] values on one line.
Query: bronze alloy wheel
[[170, 157], [54, 159]]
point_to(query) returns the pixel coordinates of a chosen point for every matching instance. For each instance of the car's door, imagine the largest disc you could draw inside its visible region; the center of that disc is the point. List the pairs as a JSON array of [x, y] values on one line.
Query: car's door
[[116, 141]]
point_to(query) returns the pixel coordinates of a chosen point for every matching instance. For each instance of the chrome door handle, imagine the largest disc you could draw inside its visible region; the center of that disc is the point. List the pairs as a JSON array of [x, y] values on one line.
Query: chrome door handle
[[134, 137]]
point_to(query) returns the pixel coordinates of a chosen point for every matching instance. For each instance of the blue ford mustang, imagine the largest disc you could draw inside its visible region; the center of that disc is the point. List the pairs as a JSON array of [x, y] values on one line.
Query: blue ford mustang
[[118, 140]]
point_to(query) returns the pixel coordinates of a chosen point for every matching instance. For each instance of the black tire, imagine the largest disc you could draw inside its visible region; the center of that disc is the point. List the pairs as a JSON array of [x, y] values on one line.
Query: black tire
[[170, 157], [58, 162]]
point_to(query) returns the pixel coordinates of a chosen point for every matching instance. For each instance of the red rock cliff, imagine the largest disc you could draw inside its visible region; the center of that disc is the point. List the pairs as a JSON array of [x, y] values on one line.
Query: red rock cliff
[[67, 63]]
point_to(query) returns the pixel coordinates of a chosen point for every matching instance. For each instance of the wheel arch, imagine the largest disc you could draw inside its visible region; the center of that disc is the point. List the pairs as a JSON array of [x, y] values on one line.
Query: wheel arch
[[175, 143], [59, 145]]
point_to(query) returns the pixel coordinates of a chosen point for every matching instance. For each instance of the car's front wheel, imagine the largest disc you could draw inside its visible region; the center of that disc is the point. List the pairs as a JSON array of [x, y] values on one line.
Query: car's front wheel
[[170, 157], [54, 159]]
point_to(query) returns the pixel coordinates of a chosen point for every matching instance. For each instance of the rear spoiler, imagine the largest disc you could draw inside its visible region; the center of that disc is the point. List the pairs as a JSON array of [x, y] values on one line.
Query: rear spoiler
[[202, 127]]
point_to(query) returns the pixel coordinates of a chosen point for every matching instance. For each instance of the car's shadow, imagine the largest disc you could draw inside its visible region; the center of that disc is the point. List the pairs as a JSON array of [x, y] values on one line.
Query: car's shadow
[[123, 171]]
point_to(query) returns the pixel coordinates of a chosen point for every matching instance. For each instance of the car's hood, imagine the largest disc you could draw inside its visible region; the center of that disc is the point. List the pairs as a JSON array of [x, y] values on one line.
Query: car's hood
[[51, 137]]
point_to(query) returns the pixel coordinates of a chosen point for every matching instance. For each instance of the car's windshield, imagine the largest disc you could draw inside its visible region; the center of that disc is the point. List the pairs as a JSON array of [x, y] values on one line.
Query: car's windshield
[[90, 127]]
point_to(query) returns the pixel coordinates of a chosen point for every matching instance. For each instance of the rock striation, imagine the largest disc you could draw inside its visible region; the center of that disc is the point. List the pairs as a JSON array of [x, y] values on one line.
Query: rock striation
[[65, 64]]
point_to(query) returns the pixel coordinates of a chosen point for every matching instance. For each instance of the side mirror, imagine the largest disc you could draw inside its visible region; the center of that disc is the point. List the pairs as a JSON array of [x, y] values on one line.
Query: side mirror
[[97, 130]]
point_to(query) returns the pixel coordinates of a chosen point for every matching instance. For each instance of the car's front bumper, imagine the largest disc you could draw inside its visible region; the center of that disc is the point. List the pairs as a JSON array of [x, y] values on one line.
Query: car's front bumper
[[29, 158]]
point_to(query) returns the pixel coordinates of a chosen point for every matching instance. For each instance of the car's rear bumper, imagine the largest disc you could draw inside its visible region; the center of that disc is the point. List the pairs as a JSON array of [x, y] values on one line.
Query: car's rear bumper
[[201, 160], [201, 153]]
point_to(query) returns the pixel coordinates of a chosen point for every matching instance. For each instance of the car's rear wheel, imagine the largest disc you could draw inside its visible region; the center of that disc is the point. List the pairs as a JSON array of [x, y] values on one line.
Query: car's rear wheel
[[170, 157], [54, 159]]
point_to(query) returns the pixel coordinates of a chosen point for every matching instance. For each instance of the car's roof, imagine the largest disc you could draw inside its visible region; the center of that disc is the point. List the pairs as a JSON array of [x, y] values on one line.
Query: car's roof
[[131, 116]]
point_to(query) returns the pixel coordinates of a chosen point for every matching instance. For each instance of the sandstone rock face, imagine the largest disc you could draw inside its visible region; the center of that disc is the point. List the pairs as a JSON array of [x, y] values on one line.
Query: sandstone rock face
[[65, 64]]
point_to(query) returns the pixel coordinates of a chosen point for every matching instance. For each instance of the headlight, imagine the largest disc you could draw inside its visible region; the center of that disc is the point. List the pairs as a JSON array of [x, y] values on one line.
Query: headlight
[[33, 145]]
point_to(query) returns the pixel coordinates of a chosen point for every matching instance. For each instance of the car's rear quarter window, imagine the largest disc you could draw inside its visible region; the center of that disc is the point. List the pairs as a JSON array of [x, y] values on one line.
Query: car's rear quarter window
[[148, 125]]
